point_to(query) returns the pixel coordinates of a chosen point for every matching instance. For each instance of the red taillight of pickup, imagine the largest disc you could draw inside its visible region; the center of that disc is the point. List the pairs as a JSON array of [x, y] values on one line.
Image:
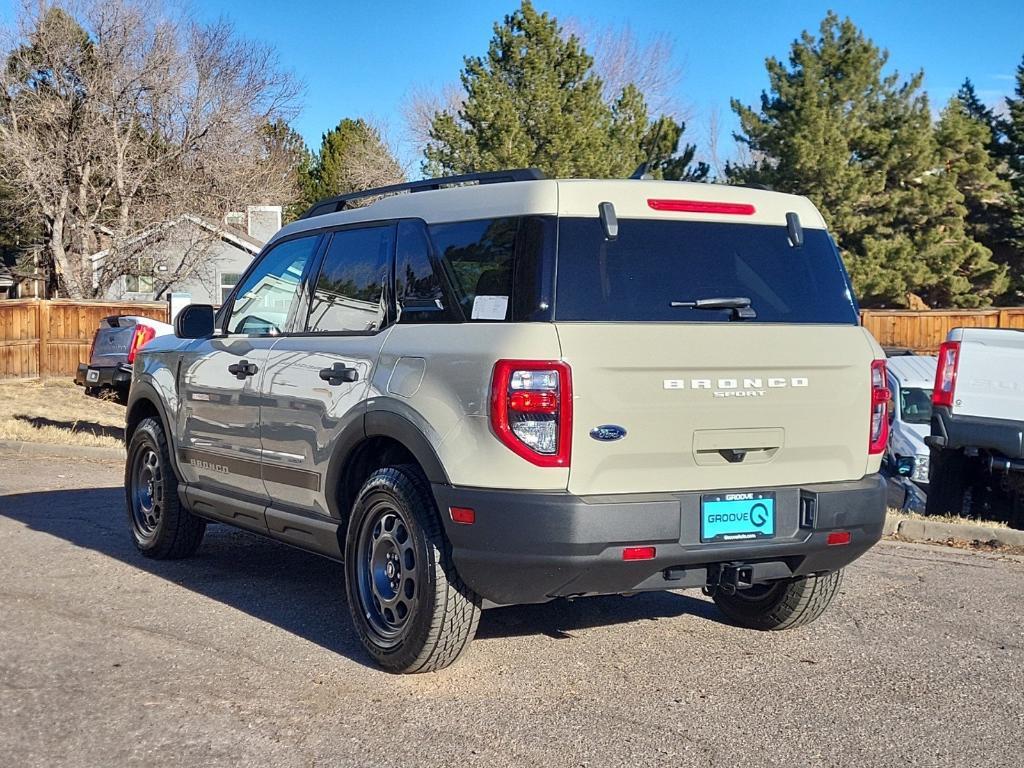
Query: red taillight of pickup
[[945, 374], [531, 409], [142, 336], [878, 434]]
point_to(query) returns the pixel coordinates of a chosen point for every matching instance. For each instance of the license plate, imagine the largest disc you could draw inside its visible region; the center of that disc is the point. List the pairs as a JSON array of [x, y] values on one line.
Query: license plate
[[737, 516], [92, 375]]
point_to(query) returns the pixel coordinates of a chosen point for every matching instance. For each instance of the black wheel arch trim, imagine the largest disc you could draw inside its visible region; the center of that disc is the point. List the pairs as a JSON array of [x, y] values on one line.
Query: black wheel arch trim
[[380, 423], [143, 391]]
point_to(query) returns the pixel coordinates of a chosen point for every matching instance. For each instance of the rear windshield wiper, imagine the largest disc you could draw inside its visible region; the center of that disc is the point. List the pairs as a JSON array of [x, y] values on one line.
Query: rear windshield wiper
[[740, 305]]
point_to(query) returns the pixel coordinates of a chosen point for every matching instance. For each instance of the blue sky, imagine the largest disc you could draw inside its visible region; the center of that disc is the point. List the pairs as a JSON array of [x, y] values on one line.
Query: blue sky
[[363, 58]]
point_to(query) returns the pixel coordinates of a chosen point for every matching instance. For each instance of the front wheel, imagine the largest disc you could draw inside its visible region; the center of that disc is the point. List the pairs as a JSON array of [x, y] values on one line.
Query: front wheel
[[410, 608], [161, 527], [781, 604]]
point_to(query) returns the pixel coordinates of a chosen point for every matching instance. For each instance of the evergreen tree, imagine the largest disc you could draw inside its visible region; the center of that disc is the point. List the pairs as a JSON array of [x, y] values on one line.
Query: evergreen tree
[[1013, 130], [976, 109], [534, 100], [859, 142], [353, 156]]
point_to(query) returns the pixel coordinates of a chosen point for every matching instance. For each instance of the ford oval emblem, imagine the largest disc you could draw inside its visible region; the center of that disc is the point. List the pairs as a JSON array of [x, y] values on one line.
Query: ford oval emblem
[[608, 432]]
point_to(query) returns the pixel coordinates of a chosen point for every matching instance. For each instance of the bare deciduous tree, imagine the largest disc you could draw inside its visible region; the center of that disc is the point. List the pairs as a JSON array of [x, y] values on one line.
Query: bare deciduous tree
[[116, 116]]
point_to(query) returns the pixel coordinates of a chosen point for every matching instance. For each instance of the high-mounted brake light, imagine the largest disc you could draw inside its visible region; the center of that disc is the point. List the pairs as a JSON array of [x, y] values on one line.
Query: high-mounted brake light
[[702, 206], [945, 374], [531, 409], [142, 336], [879, 430]]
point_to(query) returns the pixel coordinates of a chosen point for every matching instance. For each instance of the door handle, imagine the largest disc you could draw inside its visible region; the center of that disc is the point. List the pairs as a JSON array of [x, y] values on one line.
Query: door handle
[[338, 373], [242, 369]]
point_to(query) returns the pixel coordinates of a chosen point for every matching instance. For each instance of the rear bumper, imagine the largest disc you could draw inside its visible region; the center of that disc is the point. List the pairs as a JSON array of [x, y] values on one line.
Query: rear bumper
[[109, 376], [999, 436], [529, 546]]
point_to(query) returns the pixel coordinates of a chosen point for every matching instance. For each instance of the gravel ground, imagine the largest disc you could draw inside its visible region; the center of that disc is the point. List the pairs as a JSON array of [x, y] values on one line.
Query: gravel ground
[[244, 655]]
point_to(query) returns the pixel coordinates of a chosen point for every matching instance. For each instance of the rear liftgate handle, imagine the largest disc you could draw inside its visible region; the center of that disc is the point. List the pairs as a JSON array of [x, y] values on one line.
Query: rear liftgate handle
[[242, 369], [338, 373]]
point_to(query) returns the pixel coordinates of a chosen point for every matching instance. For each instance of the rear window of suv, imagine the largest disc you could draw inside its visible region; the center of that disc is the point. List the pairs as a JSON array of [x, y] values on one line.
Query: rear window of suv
[[654, 263]]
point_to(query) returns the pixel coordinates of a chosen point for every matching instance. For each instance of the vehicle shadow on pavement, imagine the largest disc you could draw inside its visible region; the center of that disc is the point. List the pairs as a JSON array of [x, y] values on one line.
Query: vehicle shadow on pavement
[[297, 591]]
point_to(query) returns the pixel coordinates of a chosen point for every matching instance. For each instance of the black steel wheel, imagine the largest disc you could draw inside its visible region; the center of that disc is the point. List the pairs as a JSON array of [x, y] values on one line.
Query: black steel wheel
[[410, 609], [161, 527]]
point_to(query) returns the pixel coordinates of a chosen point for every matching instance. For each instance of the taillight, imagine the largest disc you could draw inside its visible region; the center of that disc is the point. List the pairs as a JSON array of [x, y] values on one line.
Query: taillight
[[92, 347], [879, 434], [143, 335], [531, 409], [945, 374]]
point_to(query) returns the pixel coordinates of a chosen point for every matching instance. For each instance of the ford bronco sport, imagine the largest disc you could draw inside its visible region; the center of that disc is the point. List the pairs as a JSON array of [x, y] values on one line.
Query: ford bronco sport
[[500, 389]]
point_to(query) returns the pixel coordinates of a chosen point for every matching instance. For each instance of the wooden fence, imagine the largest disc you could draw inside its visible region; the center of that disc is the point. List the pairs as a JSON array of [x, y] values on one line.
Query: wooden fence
[[923, 331], [40, 338], [49, 338]]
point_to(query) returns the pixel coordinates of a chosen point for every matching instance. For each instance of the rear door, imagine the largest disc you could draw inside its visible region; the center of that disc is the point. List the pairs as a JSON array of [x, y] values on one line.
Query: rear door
[[318, 380], [219, 417], [708, 400]]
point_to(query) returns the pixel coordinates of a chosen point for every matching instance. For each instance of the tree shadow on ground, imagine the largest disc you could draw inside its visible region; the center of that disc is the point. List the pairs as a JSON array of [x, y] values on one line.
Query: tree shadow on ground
[[300, 592], [79, 427]]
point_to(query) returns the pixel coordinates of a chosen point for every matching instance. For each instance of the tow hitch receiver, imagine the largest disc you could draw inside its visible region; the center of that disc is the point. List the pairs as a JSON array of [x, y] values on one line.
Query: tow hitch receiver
[[729, 577]]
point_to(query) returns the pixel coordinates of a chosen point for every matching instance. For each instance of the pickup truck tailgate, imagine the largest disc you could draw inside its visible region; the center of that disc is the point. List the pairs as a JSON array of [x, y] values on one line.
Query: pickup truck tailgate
[[990, 374]]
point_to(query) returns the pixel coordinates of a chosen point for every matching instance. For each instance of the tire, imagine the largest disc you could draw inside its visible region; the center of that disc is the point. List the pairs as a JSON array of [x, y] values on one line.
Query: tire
[[781, 605], [411, 610], [946, 483], [161, 527]]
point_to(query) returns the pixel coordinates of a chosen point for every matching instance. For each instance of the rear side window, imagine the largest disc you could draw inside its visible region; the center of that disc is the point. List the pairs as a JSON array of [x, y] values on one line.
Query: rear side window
[[422, 293], [478, 257], [654, 263], [349, 293]]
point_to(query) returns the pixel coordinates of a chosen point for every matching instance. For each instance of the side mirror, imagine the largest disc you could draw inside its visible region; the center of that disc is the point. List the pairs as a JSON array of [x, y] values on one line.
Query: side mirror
[[194, 322], [905, 466]]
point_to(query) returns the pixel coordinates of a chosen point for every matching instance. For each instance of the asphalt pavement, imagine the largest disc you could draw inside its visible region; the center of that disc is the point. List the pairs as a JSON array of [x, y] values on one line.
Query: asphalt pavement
[[244, 655]]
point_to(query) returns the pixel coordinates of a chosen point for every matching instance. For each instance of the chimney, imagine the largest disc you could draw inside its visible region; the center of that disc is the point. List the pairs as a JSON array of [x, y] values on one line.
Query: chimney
[[264, 221]]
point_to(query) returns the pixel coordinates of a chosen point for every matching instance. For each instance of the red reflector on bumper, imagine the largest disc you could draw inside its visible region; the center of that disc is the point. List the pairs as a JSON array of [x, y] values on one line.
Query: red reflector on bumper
[[638, 553], [462, 515], [838, 537]]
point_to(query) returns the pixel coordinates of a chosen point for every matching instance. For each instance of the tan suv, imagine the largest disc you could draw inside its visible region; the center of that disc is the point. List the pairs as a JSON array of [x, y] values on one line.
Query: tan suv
[[500, 389]]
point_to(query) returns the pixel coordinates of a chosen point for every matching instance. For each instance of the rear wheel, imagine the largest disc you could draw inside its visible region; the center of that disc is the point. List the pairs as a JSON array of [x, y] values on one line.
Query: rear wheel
[[161, 527], [410, 608], [781, 604]]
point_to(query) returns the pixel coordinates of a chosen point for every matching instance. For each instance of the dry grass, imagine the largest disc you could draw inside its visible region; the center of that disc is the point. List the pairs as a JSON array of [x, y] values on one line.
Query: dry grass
[[947, 519], [58, 412]]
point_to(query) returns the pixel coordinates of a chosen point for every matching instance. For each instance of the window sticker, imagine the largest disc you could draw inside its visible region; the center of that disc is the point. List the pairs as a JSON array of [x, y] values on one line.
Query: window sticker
[[489, 308]]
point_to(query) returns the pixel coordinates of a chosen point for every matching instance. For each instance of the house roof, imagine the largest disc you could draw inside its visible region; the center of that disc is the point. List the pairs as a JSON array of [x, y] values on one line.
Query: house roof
[[227, 234]]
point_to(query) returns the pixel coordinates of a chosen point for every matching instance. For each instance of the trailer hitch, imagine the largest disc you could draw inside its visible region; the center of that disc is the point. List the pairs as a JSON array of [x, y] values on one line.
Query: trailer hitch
[[729, 577]]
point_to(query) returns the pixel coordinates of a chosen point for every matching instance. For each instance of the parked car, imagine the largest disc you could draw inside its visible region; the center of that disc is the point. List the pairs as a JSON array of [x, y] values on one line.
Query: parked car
[[977, 426], [523, 389], [910, 381], [114, 347]]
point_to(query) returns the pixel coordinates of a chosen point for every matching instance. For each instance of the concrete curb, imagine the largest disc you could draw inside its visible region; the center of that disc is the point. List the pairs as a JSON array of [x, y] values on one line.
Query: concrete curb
[[22, 448], [927, 530]]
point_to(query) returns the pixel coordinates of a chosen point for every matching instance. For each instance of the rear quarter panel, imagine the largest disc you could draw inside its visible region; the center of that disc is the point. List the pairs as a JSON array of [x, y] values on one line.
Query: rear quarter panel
[[439, 377]]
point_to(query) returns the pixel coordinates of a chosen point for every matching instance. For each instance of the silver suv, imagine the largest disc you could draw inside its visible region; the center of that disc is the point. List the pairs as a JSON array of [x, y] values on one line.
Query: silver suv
[[500, 389]]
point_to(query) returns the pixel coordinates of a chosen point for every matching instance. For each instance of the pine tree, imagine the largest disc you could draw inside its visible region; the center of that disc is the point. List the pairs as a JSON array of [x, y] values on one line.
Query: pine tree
[[534, 100], [859, 142], [1013, 129], [978, 110], [353, 156]]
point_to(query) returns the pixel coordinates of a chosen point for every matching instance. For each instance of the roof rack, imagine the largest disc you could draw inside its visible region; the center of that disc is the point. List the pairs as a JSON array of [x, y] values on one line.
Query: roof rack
[[340, 203]]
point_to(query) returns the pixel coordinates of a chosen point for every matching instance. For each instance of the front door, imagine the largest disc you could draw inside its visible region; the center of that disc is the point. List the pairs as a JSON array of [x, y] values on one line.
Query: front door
[[317, 383], [218, 421]]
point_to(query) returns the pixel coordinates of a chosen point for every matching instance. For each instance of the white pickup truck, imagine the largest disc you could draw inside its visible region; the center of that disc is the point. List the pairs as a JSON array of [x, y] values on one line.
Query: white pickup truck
[[977, 429]]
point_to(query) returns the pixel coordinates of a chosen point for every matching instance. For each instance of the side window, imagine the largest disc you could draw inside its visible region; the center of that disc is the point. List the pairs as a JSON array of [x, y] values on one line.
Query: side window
[[349, 294], [478, 257], [270, 292], [419, 280]]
